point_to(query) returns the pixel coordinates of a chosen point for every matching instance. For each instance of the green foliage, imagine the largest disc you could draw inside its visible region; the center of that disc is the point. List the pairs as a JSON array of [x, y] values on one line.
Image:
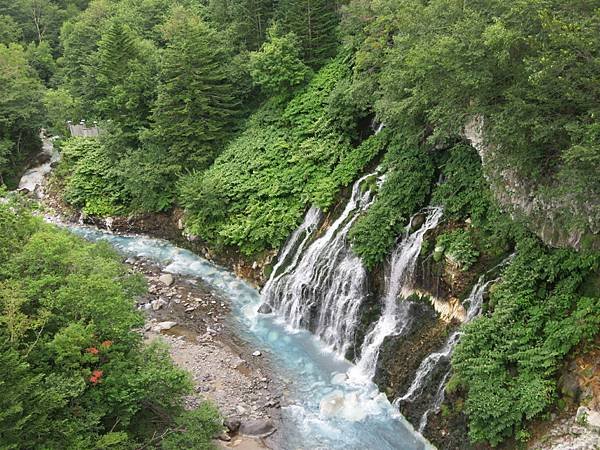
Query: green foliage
[[288, 157], [277, 67], [508, 360], [193, 113], [314, 22], [91, 181], [458, 248], [41, 60], [61, 107], [528, 67], [244, 21], [73, 373], [10, 31], [409, 173], [465, 195], [200, 426]]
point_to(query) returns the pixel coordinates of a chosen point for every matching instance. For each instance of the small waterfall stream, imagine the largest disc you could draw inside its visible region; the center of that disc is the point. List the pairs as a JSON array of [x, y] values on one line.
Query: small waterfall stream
[[394, 316], [432, 362], [322, 289]]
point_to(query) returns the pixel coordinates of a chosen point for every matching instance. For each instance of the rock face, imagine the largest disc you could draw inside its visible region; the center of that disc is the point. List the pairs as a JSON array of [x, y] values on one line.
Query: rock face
[[257, 428], [544, 214]]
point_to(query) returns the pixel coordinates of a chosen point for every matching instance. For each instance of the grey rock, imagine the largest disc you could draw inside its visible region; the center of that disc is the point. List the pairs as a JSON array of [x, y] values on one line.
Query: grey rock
[[570, 386], [257, 428], [158, 304], [232, 424], [166, 279], [224, 437], [265, 309], [165, 325], [588, 418]]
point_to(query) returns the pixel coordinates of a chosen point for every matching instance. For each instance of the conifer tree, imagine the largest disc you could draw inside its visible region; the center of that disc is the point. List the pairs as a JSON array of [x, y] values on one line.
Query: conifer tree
[[196, 101], [314, 22], [248, 20]]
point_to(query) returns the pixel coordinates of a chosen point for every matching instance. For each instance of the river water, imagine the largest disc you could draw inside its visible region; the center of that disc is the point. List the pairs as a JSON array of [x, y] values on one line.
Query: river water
[[325, 409]]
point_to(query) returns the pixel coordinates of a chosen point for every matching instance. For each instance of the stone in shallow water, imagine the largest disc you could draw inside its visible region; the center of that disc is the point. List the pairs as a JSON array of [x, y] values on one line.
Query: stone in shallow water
[[265, 308], [256, 353], [257, 428]]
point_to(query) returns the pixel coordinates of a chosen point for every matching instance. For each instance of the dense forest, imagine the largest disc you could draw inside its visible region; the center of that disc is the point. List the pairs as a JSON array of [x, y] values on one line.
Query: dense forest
[[242, 114]]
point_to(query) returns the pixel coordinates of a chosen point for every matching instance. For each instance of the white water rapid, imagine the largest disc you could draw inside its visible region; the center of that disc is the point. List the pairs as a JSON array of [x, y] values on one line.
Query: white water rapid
[[394, 315], [322, 289]]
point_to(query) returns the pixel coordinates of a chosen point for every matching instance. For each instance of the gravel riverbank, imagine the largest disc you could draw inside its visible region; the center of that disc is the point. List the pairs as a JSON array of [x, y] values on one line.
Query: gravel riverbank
[[190, 318]]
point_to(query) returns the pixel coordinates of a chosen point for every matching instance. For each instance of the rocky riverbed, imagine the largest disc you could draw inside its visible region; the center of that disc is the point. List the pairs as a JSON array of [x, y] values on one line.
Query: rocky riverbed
[[190, 318]]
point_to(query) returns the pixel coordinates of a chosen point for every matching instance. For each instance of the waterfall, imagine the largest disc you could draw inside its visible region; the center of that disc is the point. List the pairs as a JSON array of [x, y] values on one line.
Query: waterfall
[[424, 373], [394, 316], [322, 288], [295, 245]]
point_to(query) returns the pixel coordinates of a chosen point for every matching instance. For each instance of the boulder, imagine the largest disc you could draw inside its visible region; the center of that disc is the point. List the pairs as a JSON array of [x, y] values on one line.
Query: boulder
[[265, 308], [165, 326], [588, 418], [166, 279], [158, 304], [256, 353], [232, 424], [257, 428]]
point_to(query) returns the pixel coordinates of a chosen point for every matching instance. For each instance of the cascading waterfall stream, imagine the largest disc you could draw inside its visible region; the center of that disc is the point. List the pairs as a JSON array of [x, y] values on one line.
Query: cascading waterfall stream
[[427, 367], [294, 245], [322, 288], [394, 316]]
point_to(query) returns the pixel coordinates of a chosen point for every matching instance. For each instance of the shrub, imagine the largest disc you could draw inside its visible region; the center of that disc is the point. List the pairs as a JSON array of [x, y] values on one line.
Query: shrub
[[458, 247], [507, 360], [73, 372], [409, 172]]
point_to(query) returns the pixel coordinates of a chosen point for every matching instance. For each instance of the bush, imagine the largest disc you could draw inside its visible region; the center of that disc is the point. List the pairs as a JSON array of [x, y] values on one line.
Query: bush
[[458, 247], [73, 372], [508, 360], [288, 157], [91, 178], [409, 173]]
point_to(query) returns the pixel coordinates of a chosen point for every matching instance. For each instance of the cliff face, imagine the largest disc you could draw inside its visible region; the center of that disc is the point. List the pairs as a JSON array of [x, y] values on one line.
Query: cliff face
[[547, 215]]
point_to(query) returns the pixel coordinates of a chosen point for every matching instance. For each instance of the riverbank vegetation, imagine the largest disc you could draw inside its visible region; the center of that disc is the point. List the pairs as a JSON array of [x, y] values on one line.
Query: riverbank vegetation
[[245, 113], [74, 370]]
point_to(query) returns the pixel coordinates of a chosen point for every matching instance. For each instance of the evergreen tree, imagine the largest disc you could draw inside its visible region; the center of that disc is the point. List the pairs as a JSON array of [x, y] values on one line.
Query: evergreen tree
[[196, 102], [125, 71], [247, 20], [314, 22]]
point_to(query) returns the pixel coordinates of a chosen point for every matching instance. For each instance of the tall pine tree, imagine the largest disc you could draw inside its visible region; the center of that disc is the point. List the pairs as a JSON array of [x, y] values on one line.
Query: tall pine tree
[[196, 101], [315, 23], [247, 20]]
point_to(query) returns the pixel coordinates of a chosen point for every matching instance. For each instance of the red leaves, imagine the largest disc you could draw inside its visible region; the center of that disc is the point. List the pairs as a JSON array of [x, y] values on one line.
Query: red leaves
[[96, 375], [92, 350], [106, 344]]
